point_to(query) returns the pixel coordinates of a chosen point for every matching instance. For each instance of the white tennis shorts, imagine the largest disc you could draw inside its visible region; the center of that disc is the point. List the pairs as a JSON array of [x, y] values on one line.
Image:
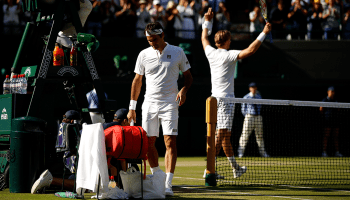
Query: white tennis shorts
[[155, 114], [226, 111]]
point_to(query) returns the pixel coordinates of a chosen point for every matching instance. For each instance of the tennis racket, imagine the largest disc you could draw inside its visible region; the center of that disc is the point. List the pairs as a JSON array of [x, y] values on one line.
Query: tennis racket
[[263, 8]]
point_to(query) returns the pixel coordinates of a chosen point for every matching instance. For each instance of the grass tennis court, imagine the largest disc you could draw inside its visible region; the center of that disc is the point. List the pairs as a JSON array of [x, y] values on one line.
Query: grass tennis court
[[189, 184]]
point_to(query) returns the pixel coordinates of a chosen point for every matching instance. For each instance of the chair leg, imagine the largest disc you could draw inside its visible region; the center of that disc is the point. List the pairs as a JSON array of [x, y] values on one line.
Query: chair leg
[[141, 182], [98, 186], [64, 173]]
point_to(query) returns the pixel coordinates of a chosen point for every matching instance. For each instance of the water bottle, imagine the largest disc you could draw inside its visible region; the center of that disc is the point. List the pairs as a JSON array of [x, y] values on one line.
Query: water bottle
[[112, 183], [19, 84], [24, 84], [13, 84], [7, 85]]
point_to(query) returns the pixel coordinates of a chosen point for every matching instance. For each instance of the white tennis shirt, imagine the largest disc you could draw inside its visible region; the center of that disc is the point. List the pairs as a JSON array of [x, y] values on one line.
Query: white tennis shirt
[[161, 72], [222, 68]]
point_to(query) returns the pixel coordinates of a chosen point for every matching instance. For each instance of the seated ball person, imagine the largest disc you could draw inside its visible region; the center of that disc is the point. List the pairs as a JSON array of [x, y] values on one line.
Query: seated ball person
[[46, 179], [120, 118]]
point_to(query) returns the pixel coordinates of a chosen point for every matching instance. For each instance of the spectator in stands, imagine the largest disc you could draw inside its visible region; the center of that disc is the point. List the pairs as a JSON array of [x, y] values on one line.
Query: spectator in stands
[[164, 3], [256, 22], [252, 121], [187, 13], [331, 25], [346, 25], [305, 3], [143, 18], [158, 13], [346, 4], [222, 17], [331, 123], [278, 19], [298, 16], [149, 5], [315, 30], [107, 18], [94, 21], [214, 4], [174, 24], [324, 3], [340, 4], [126, 18], [115, 3], [11, 18]]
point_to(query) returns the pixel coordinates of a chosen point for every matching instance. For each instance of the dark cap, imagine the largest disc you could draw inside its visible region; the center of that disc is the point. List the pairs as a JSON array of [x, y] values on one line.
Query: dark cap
[[252, 84], [121, 114], [72, 114], [331, 88]]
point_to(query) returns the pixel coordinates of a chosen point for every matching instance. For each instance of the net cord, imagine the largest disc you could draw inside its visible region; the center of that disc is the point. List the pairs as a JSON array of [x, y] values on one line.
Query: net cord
[[287, 102]]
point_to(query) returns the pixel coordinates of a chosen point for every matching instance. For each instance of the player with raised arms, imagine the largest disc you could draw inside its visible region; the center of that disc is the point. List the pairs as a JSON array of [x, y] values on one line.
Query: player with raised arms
[[160, 64], [222, 63]]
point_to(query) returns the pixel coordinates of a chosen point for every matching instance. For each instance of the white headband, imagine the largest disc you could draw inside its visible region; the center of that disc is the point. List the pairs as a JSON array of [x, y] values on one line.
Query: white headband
[[154, 32]]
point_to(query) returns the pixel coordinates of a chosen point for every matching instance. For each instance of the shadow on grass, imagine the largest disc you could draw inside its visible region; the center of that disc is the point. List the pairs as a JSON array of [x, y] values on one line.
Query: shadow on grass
[[202, 192]]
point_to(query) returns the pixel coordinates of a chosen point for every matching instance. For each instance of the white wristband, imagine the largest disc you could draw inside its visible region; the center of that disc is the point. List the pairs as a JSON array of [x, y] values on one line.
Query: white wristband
[[132, 105], [206, 24], [261, 37]]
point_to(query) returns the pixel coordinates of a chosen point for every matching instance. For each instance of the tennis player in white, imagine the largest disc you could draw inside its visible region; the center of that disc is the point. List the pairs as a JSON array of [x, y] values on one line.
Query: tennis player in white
[[160, 64], [222, 63]]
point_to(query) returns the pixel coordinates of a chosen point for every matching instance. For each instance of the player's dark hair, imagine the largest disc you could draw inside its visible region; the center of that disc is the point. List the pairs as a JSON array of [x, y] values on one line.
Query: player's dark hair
[[221, 37], [152, 26]]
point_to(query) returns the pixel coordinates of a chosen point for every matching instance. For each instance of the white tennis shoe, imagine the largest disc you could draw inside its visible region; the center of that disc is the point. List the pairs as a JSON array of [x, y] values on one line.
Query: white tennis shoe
[[44, 180], [238, 173], [169, 192], [218, 176]]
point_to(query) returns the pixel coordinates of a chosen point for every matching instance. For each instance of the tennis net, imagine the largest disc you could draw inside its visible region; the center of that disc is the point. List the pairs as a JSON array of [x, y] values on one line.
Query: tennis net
[[283, 142]]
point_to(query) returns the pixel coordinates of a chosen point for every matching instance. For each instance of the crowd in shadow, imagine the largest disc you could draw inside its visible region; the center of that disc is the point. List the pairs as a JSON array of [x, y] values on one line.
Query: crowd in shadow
[[291, 19]]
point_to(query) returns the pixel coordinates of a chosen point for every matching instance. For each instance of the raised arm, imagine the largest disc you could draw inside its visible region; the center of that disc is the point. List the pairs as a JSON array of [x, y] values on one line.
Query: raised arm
[[207, 16], [253, 47], [135, 92]]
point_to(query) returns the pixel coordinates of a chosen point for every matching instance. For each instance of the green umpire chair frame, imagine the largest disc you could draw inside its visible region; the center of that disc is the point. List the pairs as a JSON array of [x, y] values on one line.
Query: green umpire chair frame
[[55, 12], [72, 77]]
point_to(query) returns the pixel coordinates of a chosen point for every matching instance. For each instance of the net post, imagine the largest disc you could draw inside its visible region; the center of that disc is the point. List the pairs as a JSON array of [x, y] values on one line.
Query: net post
[[211, 119]]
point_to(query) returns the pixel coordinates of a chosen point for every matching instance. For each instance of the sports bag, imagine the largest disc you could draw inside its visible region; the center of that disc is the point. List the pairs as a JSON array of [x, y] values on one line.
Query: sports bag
[[126, 142]]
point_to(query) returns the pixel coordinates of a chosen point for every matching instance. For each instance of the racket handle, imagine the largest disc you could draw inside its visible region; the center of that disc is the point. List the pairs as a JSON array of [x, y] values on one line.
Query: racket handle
[[132, 123]]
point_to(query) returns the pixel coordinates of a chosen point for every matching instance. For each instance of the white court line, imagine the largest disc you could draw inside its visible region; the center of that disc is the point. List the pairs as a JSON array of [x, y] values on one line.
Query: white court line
[[290, 186], [243, 193], [190, 178]]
